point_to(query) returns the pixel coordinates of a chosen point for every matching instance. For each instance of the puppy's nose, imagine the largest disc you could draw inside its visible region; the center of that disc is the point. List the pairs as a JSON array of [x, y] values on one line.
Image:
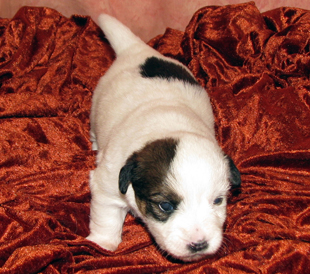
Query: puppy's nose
[[199, 246]]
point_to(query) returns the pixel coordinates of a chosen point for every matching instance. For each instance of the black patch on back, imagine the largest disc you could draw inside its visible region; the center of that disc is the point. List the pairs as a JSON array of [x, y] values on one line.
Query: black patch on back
[[146, 170], [154, 67]]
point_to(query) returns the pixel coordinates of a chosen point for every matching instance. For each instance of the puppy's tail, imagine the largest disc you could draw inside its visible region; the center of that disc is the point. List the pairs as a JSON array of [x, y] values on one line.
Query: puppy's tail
[[119, 36]]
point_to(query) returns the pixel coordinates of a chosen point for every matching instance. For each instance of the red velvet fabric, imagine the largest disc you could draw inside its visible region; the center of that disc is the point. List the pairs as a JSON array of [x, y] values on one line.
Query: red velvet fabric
[[255, 68]]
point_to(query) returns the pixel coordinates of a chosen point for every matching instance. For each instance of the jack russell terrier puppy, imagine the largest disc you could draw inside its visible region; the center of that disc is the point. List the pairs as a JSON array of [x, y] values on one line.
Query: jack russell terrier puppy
[[153, 127]]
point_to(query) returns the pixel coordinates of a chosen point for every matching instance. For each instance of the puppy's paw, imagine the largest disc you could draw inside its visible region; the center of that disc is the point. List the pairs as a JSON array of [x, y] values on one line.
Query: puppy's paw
[[104, 242]]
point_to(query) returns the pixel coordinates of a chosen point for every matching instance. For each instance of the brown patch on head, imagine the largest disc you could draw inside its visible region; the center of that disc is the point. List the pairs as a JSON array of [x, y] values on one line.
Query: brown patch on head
[[147, 171]]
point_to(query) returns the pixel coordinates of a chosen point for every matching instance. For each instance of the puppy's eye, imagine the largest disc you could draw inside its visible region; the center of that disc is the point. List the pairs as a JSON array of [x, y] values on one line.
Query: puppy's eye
[[218, 201], [166, 207]]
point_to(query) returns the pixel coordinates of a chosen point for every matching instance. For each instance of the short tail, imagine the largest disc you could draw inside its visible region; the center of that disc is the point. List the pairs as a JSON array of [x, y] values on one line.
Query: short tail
[[119, 36]]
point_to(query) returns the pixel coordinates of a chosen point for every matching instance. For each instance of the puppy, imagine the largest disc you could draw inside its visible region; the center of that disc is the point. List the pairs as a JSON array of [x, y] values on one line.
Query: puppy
[[153, 127]]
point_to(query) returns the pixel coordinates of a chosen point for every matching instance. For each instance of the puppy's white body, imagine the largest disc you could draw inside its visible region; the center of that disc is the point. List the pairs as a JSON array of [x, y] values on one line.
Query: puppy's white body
[[128, 113]]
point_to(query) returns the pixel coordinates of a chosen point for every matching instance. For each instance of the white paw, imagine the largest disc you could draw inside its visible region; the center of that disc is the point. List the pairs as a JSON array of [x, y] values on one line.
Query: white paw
[[104, 242]]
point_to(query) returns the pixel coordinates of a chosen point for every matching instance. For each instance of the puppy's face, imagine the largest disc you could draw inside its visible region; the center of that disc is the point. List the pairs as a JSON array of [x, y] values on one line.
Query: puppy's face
[[180, 188]]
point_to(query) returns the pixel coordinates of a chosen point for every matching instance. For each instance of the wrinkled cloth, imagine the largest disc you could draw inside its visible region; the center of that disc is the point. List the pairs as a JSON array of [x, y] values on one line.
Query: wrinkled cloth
[[255, 67]]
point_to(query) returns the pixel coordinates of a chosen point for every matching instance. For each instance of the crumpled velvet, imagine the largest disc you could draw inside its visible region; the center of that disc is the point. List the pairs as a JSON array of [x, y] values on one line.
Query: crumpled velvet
[[255, 68]]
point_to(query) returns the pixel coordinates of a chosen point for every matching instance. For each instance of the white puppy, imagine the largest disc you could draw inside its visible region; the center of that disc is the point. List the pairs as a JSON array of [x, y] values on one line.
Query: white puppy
[[157, 154]]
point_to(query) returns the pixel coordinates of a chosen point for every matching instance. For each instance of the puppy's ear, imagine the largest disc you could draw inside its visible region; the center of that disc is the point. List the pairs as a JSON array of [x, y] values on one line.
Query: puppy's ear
[[234, 177], [126, 174]]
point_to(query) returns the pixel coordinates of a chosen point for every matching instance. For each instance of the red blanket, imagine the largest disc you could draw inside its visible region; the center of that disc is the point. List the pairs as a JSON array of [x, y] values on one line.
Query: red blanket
[[255, 68]]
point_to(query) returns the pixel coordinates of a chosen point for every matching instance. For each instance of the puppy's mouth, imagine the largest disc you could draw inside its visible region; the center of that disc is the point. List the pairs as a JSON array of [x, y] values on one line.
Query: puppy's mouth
[[195, 251], [192, 257]]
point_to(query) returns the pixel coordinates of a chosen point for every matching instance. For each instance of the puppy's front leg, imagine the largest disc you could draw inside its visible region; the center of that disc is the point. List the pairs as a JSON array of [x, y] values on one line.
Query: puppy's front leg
[[107, 215]]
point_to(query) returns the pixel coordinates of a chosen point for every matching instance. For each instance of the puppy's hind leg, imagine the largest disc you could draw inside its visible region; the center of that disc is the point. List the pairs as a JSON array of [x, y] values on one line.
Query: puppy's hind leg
[[107, 215]]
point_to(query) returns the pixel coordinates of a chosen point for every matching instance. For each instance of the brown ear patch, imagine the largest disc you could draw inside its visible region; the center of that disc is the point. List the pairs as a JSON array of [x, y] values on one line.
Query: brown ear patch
[[147, 171]]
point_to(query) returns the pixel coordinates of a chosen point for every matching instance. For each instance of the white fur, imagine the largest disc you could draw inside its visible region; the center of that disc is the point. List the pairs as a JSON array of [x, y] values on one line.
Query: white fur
[[127, 112]]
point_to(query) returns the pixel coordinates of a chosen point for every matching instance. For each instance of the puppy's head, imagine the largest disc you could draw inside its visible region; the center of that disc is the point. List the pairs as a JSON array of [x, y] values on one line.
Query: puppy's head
[[180, 191]]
